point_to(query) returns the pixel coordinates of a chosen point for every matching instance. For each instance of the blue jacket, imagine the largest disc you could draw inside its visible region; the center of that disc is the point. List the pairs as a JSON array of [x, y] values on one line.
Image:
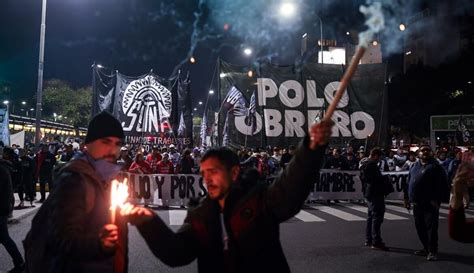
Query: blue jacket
[[427, 183]]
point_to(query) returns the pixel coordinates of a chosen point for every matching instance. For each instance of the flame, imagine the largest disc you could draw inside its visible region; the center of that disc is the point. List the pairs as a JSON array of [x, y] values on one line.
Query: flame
[[375, 21], [119, 194]]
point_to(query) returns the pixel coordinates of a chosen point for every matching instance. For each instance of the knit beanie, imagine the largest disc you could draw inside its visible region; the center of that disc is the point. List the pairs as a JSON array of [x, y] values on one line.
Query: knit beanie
[[104, 125]]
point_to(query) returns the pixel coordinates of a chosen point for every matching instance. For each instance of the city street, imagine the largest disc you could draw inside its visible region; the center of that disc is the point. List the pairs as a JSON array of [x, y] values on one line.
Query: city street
[[320, 238]]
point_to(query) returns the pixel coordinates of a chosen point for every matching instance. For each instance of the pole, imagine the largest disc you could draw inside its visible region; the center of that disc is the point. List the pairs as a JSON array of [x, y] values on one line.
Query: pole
[[94, 104], [39, 92], [321, 39]]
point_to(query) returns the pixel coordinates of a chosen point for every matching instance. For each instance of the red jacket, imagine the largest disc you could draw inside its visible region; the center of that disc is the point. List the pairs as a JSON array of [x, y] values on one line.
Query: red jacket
[[153, 161], [140, 167], [165, 167], [459, 228]]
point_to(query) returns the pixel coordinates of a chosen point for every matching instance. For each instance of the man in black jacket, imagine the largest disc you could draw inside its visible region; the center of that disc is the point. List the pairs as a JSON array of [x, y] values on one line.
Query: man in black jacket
[[80, 239], [374, 192], [427, 188], [6, 207], [27, 173], [45, 162], [233, 229]]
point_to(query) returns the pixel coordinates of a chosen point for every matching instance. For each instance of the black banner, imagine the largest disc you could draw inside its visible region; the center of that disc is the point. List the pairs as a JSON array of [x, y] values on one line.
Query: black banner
[[289, 99], [149, 107]]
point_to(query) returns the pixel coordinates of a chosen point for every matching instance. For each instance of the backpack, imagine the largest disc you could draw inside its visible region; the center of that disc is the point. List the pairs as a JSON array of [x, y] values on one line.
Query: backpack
[[37, 255]]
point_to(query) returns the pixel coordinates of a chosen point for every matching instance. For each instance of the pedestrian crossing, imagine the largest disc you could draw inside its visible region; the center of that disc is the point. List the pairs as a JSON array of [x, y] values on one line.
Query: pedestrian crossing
[[321, 212]]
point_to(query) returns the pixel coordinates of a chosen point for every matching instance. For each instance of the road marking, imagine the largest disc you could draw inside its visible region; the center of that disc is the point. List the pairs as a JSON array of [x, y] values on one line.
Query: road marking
[[405, 211], [338, 213], [466, 213], [308, 217], [387, 215], [177, 217]]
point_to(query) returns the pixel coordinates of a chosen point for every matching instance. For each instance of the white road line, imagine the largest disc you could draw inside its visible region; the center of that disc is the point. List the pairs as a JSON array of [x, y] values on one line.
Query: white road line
[[387, 215], [339, 213], [177, 217], [308, 217], [404, 210], [446, 211]]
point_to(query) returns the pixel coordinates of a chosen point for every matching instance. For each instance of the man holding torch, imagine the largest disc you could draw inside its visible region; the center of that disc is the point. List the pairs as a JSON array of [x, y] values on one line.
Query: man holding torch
[[236, 228], [72, 230]]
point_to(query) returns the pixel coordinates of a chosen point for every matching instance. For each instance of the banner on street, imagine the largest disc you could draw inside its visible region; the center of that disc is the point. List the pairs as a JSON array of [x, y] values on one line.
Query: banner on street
[[178, 189]]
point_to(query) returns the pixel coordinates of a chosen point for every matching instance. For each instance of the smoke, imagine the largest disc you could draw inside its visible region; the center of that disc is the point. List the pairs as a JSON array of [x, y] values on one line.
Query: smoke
[[259, 25], [432, 23], [375, 22]]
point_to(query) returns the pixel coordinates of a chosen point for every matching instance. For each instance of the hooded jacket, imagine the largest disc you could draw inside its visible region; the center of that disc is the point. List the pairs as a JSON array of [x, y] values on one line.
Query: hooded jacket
[[78, 209]]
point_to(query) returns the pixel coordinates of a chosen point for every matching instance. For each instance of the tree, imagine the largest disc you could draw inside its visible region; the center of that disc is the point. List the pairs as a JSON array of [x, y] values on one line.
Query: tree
[[72, 106]]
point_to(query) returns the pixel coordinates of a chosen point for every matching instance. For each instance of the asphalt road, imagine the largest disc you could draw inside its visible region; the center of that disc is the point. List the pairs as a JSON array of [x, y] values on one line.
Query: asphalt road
[[320, 239]]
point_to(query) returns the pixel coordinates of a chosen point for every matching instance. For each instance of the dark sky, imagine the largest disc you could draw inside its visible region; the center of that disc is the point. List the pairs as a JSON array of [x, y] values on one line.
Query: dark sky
[[134, 36]]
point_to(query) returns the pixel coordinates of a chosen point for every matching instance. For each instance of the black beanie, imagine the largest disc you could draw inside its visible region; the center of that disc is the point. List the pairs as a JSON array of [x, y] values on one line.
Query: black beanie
[[104, 125]]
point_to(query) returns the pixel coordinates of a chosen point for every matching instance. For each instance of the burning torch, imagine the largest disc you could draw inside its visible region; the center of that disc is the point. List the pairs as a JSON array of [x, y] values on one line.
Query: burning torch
[[118, 197], [375, 22]]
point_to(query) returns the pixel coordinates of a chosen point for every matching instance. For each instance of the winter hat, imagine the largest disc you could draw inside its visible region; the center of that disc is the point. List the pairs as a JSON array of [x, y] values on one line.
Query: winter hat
[[104, 125]]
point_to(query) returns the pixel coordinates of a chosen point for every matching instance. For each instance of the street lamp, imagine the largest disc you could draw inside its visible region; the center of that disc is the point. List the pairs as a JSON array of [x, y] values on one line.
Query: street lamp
[[211, 92], [6, 102], [248, 51], [39, 93], [321, 38], [23, 103], [192, 60], [287, 9], [402, 27], [200, 102]]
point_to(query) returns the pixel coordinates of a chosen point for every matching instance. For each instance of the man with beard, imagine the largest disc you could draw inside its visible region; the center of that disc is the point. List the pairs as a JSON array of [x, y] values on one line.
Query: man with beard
[[236, 229], [74, 219], [427, 188]]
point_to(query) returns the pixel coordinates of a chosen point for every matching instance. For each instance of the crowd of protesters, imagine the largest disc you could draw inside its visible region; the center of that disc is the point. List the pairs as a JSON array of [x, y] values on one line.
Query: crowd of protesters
[[30, 168]]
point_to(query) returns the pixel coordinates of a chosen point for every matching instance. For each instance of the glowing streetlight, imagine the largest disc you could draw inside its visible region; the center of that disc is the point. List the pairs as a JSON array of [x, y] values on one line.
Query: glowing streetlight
[[402, 27], [192, 60], [23, 103], [348, 33], [250, 73], [99, 66], [248, 51], [6, 102], [287, 9], [375, 43], [200, 102], [211, 92], [195, 109], [222, 75]]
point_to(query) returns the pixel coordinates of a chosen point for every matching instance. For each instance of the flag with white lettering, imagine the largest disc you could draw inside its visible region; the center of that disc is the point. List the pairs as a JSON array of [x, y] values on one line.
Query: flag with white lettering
[[289, 99]]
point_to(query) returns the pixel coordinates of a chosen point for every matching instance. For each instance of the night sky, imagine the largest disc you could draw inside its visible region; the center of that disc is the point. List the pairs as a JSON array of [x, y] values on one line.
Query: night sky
[[134, 36]]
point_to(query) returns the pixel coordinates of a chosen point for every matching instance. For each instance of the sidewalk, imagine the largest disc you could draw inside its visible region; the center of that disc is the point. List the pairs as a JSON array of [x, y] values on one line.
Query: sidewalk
[[24, 212]]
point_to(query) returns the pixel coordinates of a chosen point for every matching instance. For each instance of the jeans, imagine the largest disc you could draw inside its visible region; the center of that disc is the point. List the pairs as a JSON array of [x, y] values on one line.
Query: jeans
[[376, 211], [8, 243], [426, 222]]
